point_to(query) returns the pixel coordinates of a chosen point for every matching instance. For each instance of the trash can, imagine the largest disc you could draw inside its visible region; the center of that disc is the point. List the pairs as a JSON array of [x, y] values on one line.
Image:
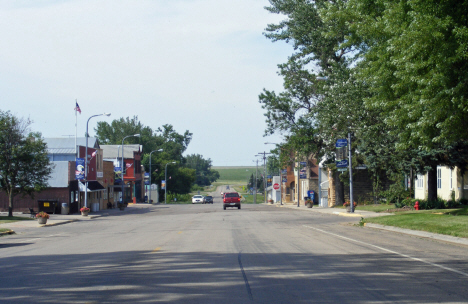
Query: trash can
[[65, 208]]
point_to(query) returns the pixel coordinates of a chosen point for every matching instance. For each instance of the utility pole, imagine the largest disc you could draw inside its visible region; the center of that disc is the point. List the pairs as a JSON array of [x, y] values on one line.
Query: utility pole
[[264, 173], [255, 187]]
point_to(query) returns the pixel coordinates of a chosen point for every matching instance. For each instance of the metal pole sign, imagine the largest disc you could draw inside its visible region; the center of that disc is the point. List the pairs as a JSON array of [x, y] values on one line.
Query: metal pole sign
[[341, 158], [303, 170]]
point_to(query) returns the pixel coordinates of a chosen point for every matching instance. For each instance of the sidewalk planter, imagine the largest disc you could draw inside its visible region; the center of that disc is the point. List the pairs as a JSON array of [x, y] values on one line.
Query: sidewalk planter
[[42, 217], [121, 206], [309, 204], [84, 211], [347, 205]]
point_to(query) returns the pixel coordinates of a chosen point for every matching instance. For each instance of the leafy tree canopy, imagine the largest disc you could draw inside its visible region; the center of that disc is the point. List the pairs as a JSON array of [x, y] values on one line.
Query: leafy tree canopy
[[204, 174], [24, 165]]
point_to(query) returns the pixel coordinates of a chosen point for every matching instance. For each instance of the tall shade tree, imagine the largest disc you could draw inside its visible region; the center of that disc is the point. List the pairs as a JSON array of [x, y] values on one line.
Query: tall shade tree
[[24, 165], [413, 56], [204, 174], [165, 137]]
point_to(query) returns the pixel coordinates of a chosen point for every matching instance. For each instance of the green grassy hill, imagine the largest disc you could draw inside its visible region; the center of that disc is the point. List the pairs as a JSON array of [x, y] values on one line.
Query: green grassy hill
[[234, 175]]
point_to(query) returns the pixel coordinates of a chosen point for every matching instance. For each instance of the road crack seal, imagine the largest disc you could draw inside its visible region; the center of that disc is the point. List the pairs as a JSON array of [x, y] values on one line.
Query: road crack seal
[[247, 285]]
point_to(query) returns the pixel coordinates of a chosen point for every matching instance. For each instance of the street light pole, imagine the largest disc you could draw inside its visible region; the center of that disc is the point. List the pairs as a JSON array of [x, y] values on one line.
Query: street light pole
[[151, 172], [281, 186], [351, 201], [255, 188], [165, 179], [86, 157], [264, 174], [123, 164]]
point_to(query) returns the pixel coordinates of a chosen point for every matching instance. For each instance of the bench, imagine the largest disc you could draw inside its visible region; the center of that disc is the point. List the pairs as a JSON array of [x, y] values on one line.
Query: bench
[[32, 213]]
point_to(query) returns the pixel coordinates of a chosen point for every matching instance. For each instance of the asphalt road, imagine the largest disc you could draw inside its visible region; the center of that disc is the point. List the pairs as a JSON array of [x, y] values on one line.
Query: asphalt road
[[202, 254]]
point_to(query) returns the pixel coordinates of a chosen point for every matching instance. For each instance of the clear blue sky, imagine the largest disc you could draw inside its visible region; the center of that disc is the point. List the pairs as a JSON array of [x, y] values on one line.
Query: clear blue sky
[[196, 64]]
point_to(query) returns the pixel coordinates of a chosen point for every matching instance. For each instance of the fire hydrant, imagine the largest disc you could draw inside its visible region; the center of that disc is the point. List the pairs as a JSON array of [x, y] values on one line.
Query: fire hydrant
[[416, 205]]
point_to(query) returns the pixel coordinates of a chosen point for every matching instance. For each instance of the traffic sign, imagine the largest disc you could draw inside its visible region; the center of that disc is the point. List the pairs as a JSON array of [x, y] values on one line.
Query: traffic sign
[[276, 186], [342, 142], [342, 163]]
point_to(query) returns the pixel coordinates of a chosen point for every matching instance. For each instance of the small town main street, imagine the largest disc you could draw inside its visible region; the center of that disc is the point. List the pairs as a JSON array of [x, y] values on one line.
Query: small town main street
[[202, 254]]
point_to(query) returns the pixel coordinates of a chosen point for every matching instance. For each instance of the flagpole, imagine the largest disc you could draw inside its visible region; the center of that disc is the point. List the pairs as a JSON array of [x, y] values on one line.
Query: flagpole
[[76, 127]]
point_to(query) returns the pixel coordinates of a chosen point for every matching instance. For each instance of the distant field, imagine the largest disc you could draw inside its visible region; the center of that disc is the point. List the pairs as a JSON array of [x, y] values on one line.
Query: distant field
[[234, 174]]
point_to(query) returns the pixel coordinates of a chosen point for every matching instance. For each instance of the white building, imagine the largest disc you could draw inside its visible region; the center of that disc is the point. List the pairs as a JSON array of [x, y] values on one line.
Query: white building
[[448, 181]]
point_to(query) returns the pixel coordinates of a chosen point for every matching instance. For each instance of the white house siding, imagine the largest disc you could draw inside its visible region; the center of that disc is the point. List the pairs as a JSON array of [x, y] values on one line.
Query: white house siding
[[447, 181]]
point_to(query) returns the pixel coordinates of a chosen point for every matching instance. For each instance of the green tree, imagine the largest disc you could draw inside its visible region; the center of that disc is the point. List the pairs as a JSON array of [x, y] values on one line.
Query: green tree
[[24, 165], [165, 137], [180, 179], [204, 174], [413, 57]]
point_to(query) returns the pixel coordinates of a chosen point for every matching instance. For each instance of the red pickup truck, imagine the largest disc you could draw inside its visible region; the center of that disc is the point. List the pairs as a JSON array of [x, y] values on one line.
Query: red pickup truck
[[231, 199]]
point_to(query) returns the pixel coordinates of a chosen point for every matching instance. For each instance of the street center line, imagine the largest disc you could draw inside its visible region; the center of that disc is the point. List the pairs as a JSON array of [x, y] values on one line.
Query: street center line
[[391, 251]]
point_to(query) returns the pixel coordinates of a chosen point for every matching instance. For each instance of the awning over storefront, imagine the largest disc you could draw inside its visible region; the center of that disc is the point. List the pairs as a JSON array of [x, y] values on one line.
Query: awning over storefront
[[92, 186]]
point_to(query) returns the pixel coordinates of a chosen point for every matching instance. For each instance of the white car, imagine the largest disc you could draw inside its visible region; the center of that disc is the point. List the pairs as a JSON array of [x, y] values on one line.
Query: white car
[[197, 199]]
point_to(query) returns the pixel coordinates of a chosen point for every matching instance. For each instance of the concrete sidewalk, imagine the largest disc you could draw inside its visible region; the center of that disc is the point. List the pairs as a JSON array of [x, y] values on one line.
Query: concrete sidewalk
[[60, 219], [335, 211]]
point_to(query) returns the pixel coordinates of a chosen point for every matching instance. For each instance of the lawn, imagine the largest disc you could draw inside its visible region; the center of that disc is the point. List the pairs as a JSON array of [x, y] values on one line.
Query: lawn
[[452, 222], [6, 219]]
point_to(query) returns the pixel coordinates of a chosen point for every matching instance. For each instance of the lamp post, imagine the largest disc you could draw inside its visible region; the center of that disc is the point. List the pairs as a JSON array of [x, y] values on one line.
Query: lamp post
[[151, 172], [255, 188], [264, 174], [123, 165], [86, 157], [281, 178], [165, 179]]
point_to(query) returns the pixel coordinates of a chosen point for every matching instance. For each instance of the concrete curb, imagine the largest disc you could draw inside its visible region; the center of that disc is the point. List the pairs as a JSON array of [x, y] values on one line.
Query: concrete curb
[[424, 234], [7, 232]]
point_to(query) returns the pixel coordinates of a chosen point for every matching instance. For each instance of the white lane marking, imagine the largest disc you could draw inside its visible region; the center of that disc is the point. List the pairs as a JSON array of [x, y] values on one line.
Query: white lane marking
[[391, 251]]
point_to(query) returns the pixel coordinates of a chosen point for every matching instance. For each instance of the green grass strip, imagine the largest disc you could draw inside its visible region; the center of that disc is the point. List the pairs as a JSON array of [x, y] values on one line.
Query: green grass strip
[[445, 223], [6, 219]]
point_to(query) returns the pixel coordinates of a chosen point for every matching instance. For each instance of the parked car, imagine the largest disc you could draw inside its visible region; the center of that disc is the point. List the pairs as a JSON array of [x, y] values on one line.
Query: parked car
[[197, 199], [208, 199], [231, 199]]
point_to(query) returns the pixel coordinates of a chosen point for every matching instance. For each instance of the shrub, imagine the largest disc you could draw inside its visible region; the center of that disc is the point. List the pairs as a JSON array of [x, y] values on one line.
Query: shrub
[[450, 204], [179, 197], [405, 202], [196, 188]]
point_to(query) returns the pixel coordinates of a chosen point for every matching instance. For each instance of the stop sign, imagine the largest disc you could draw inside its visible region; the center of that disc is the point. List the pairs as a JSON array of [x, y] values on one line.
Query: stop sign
[[276, 186]]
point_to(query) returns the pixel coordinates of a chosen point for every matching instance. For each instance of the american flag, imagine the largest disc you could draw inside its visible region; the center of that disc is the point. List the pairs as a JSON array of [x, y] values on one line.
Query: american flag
[[77, 108]]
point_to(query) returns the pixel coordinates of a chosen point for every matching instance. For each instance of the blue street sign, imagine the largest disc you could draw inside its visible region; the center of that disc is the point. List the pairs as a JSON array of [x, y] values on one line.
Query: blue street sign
[[342, 163], [342, 142]]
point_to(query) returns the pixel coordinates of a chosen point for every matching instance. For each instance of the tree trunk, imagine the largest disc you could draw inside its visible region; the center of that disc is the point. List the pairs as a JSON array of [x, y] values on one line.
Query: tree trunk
[[432, 184], [339, 190], [10, 204]]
